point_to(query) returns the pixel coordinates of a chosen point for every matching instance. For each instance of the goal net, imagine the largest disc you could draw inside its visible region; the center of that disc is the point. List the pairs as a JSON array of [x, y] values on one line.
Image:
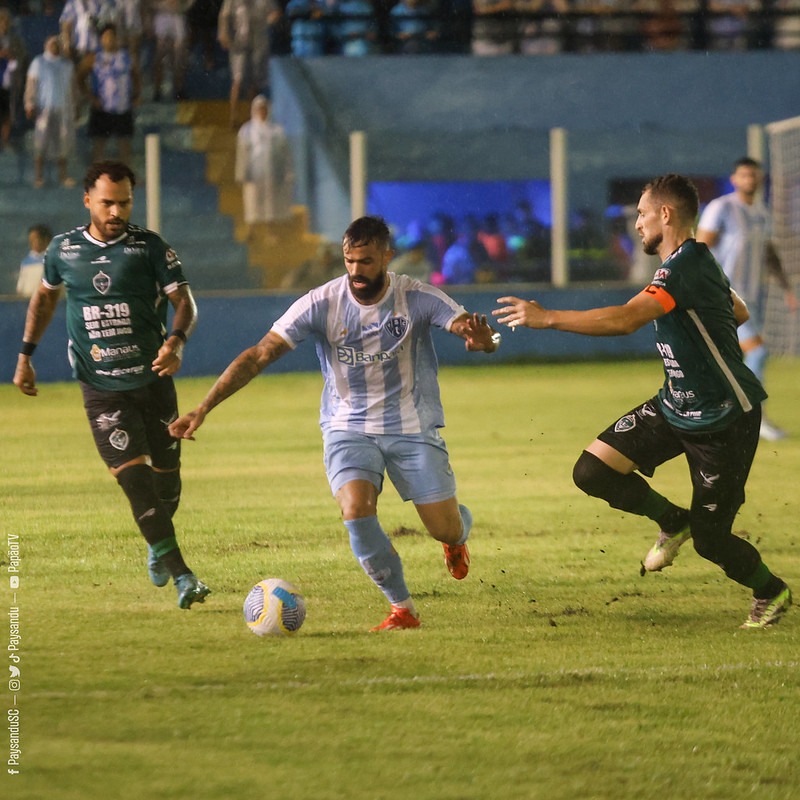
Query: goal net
[[781, 326]]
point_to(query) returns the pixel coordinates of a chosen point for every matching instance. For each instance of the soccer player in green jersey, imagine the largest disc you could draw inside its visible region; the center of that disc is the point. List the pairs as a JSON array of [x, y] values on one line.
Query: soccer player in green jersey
[[709, 407], [117, 276]]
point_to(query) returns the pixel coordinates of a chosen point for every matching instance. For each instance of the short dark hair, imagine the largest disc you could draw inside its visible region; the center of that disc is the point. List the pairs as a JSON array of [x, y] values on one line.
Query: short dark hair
[[366, 230], [41, 230], [675, 190], [116, 170], [745, 161]]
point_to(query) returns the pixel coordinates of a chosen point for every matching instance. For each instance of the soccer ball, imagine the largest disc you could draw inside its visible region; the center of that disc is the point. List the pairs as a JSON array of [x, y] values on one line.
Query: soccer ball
[[274, 607]]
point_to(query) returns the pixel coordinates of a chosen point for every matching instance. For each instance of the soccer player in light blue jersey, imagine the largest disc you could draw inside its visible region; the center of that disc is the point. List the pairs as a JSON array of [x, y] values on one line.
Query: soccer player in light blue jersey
[[707, 409], [380, 410], [736, 227]]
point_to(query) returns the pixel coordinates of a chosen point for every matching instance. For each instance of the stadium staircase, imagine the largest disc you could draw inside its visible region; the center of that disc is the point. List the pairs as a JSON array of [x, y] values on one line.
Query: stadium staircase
[[273, 249], [190, 218]]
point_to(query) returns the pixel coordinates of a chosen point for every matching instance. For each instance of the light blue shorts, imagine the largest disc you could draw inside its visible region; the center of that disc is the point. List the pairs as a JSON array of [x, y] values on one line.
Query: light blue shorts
[[417, 464]]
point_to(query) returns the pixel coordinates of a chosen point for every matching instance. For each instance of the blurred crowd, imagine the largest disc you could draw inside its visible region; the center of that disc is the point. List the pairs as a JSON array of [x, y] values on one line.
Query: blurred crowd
[[514, 246]]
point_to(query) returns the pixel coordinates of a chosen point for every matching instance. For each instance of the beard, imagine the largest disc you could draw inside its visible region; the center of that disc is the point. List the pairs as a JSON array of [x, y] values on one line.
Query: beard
[[367, 289], [650, 246]]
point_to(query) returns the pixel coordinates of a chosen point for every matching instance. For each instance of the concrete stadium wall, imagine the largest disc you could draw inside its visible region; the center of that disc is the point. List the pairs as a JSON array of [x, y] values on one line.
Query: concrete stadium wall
[[466, 118], [229, 324]]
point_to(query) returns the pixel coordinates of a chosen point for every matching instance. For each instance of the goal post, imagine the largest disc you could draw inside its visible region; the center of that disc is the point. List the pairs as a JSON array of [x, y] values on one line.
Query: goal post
[[782, 327]]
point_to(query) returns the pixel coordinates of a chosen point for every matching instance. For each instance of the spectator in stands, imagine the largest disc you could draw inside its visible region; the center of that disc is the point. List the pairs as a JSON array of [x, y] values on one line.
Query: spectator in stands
[[129, 22], [493, 239], [727, 24], [413, 261], [324, 266], [202, 19], [264, 167], [541, 34], [50, 101], [12, 65], [79, 21], [415, 26], [31, 268], [111, 84], [309, 27], [171, 34], [355, 28], [466, 257], [787, 25], [663, 28], [243, 31], [492, 35], [441, 234]]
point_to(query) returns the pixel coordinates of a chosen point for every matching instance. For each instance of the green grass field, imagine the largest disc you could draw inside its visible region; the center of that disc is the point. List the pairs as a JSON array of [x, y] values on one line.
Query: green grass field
[[553, 671]]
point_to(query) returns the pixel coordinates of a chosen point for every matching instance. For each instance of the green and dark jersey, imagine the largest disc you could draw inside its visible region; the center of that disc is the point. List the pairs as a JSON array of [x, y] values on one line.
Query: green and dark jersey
[[116, 302], [707, 384]]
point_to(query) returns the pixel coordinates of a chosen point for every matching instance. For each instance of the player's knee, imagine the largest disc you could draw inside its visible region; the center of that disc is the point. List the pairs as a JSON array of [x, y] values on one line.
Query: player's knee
[[591, 475]]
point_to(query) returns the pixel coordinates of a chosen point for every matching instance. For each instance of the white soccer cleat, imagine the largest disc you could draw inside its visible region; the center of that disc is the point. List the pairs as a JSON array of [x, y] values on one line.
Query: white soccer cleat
[[665, 550], [771, 433]]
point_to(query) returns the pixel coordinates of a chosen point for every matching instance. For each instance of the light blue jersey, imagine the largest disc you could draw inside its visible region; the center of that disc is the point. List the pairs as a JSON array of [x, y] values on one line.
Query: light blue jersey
[[378, 361], [112, 81], [743, 232]]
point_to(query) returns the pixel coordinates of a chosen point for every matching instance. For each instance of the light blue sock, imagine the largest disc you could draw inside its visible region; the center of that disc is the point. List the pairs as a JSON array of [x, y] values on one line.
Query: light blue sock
[[756, 361], [466, 522], [377, 556]]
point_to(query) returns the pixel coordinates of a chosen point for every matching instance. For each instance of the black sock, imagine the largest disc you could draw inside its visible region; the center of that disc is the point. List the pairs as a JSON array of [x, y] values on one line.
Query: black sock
[[168, 489], [674, 520], [152, 517]]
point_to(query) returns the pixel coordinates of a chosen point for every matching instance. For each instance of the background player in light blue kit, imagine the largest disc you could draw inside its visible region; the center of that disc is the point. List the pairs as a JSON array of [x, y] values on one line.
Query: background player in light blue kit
[[737, 228], [380, 410]]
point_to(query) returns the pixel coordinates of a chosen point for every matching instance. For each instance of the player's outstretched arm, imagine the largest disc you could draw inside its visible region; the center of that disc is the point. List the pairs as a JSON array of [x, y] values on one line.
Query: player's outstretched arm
[[40, 312], [238, 374], [606, 321], [476, 332]]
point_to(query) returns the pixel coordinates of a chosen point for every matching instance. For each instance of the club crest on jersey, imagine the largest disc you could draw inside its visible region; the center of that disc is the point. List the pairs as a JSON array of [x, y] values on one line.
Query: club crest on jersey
[[626, 423], [397, 327], [101, 282], [119, 439]]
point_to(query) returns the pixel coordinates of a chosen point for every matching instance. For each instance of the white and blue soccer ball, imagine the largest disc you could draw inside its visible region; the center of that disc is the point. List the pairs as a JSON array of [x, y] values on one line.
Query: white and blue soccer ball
[[274, 607]]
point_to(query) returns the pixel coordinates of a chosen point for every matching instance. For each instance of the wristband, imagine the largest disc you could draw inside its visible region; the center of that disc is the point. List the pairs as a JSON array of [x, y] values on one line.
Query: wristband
[[27, 348], [180, 334]]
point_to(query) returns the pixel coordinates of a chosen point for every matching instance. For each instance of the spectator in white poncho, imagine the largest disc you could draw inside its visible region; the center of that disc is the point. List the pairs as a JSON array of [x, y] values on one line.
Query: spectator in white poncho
[[264, 166]]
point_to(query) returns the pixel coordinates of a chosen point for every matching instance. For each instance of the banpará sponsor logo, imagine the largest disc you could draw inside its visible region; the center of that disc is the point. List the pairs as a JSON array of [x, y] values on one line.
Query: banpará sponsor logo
[[351, 357]]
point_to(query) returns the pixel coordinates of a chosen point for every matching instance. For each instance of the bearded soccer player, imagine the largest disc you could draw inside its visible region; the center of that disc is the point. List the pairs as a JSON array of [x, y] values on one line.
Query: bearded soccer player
[[117, 278], [709, 408], [381, 410]]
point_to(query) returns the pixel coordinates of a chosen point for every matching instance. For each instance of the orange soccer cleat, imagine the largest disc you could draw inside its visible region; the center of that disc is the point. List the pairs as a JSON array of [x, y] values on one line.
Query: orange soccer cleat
[[456, 557], [398, 618]]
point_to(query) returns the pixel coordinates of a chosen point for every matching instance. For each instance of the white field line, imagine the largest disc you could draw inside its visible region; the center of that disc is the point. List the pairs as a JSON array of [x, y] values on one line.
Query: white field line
[[540, 676]]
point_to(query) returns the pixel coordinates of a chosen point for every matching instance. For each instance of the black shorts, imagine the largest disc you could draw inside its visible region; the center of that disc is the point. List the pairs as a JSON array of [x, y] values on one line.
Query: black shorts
[[719, 462], [103, 125], [134, 423]]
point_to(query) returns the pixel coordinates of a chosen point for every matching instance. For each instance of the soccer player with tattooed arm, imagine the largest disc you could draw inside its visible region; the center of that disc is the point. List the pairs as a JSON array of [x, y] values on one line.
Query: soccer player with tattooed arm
[[117, 278], [708, 409], [381, 410]]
